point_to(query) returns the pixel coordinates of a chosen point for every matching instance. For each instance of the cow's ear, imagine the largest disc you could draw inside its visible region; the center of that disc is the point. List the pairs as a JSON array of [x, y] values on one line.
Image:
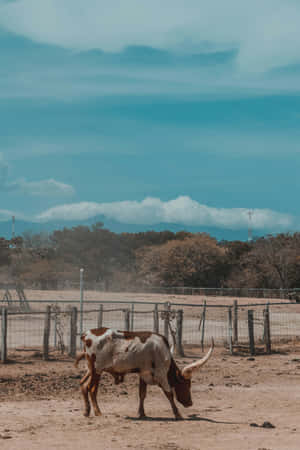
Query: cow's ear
[[187, 374]]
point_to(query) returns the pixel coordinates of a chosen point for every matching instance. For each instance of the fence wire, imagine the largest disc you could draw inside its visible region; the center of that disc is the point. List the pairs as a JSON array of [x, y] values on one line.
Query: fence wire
[[25, 330]]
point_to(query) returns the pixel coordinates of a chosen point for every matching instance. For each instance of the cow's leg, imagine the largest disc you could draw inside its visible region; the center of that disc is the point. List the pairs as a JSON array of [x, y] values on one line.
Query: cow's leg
[[86, 383], [79, 358], [84, 378], [170, 397], [84, 390], [91, 370], [164, 384], [93, 389], [142, 395]]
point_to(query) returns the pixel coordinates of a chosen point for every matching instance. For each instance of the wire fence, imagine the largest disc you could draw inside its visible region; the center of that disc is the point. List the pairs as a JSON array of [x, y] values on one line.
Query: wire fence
[[17, 291], [224, 292], [227, 324]]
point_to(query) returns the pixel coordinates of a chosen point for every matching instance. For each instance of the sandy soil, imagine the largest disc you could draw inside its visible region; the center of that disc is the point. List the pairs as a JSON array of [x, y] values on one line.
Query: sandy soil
[[41, 407], [89, 295]]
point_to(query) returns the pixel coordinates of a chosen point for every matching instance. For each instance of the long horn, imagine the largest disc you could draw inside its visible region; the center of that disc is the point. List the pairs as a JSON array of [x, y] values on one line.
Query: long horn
[[187, 371]]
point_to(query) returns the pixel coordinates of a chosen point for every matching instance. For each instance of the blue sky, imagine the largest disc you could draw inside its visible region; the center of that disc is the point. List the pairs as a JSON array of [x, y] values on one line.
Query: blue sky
[[184, 112]]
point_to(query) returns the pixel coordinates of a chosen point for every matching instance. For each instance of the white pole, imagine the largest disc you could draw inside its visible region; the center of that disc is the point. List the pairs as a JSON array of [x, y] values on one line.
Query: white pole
[[81, 302]]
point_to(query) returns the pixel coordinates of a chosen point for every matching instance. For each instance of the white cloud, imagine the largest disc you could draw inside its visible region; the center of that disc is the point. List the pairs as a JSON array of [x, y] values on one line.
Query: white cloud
[[182, 210], [266, 33], [6, 214], [43, 188]]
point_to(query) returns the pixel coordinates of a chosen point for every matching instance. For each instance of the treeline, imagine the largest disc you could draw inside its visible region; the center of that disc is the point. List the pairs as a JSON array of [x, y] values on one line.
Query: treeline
[[137, 260]]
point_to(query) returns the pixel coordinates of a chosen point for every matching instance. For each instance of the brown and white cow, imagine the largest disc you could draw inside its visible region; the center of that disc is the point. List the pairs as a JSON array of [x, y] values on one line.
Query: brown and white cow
[[145, 353]]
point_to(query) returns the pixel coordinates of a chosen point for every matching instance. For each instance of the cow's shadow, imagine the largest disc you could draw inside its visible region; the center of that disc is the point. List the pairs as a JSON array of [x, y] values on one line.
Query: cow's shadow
[[190, 418]]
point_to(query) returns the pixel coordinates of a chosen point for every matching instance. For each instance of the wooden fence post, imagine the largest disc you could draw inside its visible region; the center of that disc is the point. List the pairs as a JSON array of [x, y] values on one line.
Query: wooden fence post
[[46, 333], [251, 332], [100, 317], [132, 317], [155, 319], [179, 326], [73, 332], [126, 319], [4, 335], [166, 320], [235, 322], [203, 325], [230, 329], [267, 332], [55, 331]]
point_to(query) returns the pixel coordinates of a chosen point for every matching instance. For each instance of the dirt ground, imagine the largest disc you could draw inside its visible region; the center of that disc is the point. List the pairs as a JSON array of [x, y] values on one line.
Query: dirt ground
[[237, 399], [98, 296]]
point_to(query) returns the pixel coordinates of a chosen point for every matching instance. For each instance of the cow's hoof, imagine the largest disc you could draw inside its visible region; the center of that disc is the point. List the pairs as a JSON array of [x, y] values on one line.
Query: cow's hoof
[[98, 413], [86, 413]]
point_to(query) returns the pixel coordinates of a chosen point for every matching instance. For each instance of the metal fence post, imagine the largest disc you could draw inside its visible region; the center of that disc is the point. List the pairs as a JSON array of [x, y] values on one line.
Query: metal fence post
[[81, 304], [4, 335], [132, 317], [235, 322], [73, 332], [100, 317], [251, 331], [203, 324], [46, 333], [155, 319], [179, 326], [166, 320], [126, 319], [230, 329]]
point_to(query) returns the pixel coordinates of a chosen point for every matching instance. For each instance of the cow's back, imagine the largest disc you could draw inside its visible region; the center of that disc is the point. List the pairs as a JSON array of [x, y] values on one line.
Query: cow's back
[[143, 352]]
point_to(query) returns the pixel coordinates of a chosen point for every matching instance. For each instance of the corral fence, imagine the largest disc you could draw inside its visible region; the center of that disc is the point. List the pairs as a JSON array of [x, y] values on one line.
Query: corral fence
[[98, 286], [222, 292], [248, 327]]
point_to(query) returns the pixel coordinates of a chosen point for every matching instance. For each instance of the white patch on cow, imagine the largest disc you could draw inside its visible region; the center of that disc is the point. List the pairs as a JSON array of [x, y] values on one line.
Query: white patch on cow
[[112, 350]]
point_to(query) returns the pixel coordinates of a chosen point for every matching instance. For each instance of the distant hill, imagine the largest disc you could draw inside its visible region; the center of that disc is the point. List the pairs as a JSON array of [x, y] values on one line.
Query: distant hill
[[117, 227]]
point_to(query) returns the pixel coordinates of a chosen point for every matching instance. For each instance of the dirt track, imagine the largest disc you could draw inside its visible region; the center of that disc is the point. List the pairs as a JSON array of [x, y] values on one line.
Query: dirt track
[[41, 408]]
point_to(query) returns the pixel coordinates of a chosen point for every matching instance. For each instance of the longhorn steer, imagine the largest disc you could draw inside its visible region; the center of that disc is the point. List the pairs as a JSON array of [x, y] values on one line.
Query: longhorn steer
[[145, 353]]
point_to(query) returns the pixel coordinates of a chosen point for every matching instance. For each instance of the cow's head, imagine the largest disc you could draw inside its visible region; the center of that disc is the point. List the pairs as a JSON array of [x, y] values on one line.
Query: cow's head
[[182, 385]]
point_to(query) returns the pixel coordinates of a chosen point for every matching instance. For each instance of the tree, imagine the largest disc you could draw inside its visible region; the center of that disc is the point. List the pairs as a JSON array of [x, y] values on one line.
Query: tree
[[271, 262], [4, 252], [278, 257], [193, 261], [36, 241]]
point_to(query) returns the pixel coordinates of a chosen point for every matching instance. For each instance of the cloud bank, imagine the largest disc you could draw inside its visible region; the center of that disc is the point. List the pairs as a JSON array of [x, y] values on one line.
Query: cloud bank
[[182, 210], [173, 47], [266, 34]]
